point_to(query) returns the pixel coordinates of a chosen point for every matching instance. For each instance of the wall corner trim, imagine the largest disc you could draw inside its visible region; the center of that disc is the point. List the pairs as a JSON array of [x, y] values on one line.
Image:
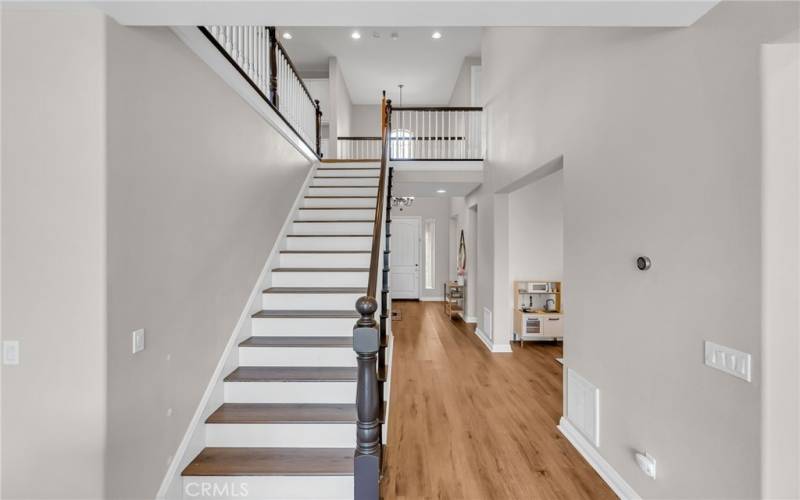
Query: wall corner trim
[[491, 345], [614, 480]]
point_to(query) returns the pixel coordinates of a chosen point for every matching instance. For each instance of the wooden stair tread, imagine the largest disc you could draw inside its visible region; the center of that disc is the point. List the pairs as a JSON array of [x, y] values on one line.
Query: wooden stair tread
[[325, 251], [329, 235], [338, 196], [321, 270], [293, 374], [336, 221], [302, 313], [297, 341], [283, 413], [337, 208], [308, 289], [272, 462]]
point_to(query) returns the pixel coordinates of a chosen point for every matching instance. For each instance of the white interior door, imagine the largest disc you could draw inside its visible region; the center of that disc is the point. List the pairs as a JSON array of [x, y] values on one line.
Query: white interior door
[[405, 257]]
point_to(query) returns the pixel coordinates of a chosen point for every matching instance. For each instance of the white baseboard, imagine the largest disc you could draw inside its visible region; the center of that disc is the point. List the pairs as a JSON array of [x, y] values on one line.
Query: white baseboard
[[470, 319], [194, 439], [617, 484], [432, 299], [491, 345]]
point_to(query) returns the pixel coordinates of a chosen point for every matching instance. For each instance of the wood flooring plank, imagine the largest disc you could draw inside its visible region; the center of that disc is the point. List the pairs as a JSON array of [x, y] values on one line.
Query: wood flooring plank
[[466, 423]]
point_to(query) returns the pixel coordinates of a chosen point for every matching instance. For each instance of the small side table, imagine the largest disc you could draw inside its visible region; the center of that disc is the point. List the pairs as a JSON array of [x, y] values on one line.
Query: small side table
[[453, 298]]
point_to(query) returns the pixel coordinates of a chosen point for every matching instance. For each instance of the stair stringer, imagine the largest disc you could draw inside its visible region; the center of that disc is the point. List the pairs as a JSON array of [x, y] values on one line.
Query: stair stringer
[[194, 440]]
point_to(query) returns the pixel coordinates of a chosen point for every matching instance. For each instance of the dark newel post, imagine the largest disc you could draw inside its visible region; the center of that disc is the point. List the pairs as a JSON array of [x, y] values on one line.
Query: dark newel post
[[367, 460], [273, 66], [319, 128]]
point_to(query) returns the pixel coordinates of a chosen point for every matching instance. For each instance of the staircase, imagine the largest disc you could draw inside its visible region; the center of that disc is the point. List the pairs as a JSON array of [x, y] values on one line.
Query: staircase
[[287, 428]]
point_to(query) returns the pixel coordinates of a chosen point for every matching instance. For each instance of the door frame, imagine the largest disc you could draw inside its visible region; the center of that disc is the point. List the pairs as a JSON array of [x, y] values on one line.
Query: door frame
[[417, 218]]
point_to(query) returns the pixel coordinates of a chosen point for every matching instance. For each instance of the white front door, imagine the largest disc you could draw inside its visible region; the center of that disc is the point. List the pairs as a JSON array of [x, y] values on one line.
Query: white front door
[[405, 257]]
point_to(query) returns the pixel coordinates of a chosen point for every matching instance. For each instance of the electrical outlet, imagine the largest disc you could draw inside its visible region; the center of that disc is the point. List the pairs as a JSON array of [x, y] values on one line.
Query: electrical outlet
[[731, 361], [11, 352], [138, 340]]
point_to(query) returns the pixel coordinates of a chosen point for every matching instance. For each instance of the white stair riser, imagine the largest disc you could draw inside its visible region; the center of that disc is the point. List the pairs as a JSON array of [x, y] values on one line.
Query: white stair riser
[[342, 191], [339, 202], [317, 279], [329, 243], [332, 227], [350, 181], [297, 356], [267, 487], [309, 327], [290, 392], [326, 259], [305, 301], [360, 214], [349, 170], [311, 435]]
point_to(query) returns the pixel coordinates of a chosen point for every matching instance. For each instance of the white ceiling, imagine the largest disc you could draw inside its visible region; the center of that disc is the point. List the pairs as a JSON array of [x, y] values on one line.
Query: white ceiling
[[432, 13], [427, 68]]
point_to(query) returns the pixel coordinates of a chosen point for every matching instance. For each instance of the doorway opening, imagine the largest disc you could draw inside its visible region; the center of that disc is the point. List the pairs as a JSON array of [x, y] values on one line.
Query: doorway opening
[[405, 266], [536, 263]]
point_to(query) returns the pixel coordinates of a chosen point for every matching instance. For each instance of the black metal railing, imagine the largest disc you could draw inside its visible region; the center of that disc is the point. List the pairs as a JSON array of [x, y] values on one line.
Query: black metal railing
[[358, 148], [370, 337], [436, 133], [263, 62]]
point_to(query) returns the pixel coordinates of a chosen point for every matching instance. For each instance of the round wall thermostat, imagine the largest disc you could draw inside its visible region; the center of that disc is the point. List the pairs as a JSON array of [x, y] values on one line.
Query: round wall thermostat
[[643, 263]]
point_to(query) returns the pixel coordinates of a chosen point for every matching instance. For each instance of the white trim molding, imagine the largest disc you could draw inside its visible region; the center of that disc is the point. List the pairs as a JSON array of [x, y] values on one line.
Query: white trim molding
[[438, 298], [491, 345], [614, 480]]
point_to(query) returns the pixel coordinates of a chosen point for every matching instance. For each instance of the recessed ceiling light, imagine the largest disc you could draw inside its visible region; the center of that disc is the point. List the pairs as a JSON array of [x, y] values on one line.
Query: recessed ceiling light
[[287, 35], [436, 35], [355, 35], [441, 191]]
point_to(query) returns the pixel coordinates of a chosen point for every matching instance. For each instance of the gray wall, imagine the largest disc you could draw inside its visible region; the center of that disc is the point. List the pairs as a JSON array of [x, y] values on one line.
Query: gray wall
[[536, 230], [660, 133], [365, 120], [198, 188], [462, 90], [439, 210], [53, 254], [139, 192]]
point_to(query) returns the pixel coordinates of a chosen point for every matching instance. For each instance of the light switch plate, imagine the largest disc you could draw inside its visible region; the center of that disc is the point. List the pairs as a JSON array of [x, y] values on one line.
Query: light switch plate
[[138, 340], [11, 352], [728, 360]]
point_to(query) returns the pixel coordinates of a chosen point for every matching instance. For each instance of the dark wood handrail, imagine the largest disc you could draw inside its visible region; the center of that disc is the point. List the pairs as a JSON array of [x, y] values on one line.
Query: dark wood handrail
[[357, 138], [439, 108], [374, 262]]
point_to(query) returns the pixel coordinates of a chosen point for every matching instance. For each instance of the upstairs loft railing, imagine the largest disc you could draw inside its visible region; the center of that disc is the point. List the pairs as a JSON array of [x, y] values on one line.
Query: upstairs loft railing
[[359, 148], [436, 133], [370, 337], [260, 58]]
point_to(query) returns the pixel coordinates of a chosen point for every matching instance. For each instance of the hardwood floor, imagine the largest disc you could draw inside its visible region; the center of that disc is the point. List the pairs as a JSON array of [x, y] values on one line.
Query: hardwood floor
[[468, 424]]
